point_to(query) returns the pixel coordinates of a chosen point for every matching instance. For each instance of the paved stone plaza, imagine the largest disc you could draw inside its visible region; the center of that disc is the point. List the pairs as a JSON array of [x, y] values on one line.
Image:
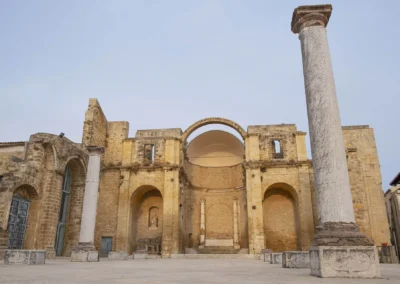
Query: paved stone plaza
[[190, 271]]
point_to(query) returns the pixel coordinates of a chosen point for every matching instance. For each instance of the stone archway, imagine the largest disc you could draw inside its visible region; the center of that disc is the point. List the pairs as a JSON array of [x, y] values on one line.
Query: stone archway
[[212, 120], [71, 206], [23, 217], [281, 218], [146, 220]]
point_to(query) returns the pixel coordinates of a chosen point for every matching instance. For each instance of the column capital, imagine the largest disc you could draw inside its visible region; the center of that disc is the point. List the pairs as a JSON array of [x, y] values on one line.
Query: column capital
[[308, 16], [95, 150]]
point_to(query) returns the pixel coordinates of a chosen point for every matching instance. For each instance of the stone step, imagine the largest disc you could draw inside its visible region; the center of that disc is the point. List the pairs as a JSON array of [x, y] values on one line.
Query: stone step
[[218, 250], [217, 256]]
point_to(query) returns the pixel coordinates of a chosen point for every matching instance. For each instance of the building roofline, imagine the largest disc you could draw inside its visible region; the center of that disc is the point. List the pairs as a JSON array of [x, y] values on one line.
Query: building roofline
[[396, 180]]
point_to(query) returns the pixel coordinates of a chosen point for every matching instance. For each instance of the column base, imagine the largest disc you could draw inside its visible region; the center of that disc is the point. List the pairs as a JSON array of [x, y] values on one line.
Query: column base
[[296, 259], [340, 234], [84, 252], [344, 262]]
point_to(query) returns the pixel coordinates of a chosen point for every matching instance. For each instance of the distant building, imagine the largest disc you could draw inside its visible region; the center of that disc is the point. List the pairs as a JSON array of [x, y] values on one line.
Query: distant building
[[392, 200]]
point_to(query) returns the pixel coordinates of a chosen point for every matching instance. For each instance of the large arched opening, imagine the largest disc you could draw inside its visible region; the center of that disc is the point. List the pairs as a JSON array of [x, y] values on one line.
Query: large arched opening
[[215, 185], [71, 206], [146, 220], [281, 218], [23, 217]]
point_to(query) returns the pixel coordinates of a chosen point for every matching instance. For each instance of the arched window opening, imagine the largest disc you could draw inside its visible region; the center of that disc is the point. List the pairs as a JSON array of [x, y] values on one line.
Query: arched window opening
[[62, 217], [277, 150]]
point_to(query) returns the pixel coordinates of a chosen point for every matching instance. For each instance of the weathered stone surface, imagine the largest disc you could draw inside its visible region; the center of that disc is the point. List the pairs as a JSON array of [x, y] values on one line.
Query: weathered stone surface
[[84, 256], [140, 256], [340, 234], [345, 261], [117, 255], [266, 186], [296, 259], [190, 251], [25, 257], [275, 258]]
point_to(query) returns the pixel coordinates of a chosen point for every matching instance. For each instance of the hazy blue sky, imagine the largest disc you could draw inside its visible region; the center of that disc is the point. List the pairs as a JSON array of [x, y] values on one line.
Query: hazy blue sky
[[161, 64]]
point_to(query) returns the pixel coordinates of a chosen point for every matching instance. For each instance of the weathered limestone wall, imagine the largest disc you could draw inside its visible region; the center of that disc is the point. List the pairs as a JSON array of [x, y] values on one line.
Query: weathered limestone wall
[[41, 170], [95, 125], [280, 224], [292, 183], [11, 151], [144, 227], [215, 177], [219, 215], [285, 134], [366, 182], [139, 175]]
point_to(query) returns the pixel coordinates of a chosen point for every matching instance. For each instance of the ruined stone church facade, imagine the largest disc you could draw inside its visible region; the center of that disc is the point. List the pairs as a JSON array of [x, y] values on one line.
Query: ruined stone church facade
[[219, 193]]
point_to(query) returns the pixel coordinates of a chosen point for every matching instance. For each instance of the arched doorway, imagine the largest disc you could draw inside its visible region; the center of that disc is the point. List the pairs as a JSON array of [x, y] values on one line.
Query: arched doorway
[[21, 216], [70, 213], [146, 220], [281, 219]]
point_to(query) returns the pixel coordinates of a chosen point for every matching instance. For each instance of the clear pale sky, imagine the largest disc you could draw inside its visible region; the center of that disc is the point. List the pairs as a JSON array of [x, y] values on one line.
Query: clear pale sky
[[167, 64]]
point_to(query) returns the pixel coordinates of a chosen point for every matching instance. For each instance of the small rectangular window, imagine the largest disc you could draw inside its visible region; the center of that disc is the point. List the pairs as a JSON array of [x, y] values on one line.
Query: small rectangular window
[[277, 150], [149, 153]]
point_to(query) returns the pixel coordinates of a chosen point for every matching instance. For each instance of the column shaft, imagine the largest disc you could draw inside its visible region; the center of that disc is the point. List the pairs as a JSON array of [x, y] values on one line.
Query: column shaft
[[328, 153], [90, 200]]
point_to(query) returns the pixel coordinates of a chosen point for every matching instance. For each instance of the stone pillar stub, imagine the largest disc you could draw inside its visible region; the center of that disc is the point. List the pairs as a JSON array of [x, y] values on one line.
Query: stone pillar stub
[[336, 222], [85, 251], [202, 223], [236, 244]]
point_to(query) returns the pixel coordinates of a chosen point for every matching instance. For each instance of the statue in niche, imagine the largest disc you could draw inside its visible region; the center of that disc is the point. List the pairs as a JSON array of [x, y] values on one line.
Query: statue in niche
[[153, 217]]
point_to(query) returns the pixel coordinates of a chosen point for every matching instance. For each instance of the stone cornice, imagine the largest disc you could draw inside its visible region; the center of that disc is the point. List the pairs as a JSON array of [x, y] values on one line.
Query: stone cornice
[[137, 168], [276, 164], [308, 16], [95, 150]]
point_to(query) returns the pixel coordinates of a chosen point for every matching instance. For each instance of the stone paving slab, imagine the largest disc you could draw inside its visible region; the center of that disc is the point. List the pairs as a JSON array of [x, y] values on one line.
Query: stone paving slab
[[62, 271]]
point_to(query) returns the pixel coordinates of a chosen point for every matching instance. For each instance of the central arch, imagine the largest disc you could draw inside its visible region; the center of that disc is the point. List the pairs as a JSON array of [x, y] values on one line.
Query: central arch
[[212, 120]]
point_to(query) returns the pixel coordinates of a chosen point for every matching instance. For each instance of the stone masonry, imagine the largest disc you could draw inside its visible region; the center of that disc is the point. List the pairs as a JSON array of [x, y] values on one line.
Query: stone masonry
[[211, 193]]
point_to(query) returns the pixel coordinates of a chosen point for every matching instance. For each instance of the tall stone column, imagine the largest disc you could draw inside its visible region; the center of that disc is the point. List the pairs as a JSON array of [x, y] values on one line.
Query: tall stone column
[[202, 223], [236, 244], [339, 249], [86, 251]]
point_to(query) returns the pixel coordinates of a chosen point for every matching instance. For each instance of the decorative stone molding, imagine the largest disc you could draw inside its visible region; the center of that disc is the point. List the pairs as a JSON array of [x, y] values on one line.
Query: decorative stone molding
[[340, 234], [308, 16], [95, 150]]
